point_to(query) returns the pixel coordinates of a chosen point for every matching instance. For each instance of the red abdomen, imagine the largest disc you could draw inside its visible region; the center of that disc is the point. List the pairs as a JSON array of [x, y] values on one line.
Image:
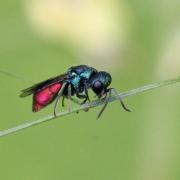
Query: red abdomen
[[45, 96]]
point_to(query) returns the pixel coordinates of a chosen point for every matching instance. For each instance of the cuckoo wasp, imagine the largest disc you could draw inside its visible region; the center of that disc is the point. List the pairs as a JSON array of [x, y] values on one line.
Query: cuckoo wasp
[[75, 82]]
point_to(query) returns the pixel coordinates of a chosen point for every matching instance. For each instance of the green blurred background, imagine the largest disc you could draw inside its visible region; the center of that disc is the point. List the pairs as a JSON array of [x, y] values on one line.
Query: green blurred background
[[138, 42]]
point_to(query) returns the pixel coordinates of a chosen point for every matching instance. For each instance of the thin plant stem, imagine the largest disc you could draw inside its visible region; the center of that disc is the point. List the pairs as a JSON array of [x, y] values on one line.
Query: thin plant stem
[[6, 73], [91, 105]]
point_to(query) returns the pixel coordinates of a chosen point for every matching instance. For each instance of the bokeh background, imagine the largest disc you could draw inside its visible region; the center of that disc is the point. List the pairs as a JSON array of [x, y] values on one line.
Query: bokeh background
[[138, 42]]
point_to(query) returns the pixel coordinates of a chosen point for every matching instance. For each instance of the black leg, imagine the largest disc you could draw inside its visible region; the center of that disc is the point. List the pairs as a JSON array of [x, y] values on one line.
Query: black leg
[[57, 98], [87, 96], [105, 105], [63, 101], [81, 96], [122, 103], [86, 92], [84, 96], [84, 101], [69, 97]]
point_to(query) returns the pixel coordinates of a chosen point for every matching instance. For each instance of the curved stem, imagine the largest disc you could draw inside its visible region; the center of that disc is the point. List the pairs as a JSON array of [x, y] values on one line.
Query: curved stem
[[91, 105]]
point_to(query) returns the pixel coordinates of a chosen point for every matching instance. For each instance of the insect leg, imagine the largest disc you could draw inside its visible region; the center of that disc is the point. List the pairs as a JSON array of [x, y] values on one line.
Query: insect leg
[[122, 103], [72, 99], [105, 105], [87, 96], [81, 96], [63, 101], [57, 98], [69, 97], [76, 102]]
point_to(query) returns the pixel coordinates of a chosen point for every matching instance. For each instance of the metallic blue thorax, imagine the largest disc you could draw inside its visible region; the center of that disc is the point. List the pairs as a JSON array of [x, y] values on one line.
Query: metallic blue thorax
[[79, 75], [75, 81]]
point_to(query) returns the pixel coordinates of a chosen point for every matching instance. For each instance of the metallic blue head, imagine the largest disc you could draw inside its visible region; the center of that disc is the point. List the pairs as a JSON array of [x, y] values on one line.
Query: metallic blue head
[[100, 82]]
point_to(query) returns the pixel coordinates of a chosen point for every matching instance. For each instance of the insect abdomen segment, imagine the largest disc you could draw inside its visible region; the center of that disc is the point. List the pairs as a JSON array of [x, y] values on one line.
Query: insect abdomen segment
[[45, 97]]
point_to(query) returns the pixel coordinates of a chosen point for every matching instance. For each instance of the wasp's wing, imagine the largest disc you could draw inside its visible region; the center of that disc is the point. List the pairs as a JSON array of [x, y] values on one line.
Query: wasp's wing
[[42, 85]]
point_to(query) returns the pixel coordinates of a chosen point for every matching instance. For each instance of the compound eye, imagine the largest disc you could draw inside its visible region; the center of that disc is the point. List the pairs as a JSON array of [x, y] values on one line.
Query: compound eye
[[97, 85]]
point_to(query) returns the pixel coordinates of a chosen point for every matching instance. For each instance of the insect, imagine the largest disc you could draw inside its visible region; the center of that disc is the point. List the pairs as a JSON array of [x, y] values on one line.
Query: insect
[[75, 82]]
